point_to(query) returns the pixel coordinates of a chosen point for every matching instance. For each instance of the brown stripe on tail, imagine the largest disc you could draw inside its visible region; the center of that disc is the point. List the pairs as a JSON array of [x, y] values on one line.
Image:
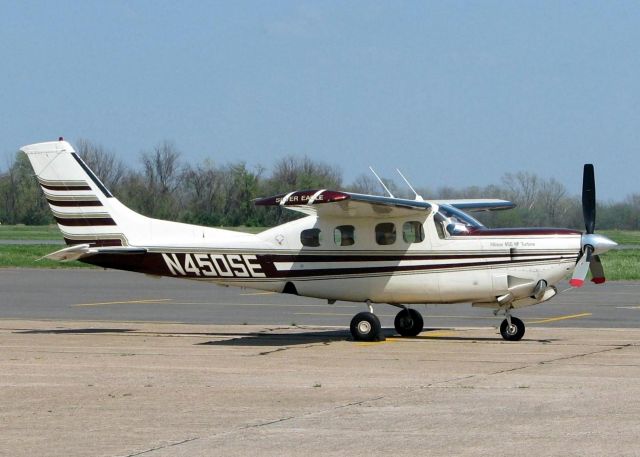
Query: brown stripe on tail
[[85, 221], [74, 202], [65, 187]]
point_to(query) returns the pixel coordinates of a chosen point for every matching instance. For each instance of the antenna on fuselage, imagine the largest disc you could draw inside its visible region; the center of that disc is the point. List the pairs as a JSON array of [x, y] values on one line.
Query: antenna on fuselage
[[418, 196], [380, 181]]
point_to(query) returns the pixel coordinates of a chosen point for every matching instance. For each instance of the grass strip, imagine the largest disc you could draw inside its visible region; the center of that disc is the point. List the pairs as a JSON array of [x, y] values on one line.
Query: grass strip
[[626, 237], [27, 255], [30, 232], [623, 264], [51, 232]]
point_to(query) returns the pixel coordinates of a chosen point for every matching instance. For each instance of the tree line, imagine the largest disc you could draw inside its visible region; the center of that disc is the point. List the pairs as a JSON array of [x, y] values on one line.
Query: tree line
[[167, 187]]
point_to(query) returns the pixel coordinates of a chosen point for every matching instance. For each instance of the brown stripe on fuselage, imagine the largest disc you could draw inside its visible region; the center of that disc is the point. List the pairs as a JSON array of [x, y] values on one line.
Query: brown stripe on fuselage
[[397, 258], [153, 263], [85, 221], [74, 202]]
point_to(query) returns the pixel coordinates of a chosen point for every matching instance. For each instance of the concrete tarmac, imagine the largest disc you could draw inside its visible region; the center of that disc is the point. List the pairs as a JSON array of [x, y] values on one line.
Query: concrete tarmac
[[129, 389], [85, 294], [102, 363]]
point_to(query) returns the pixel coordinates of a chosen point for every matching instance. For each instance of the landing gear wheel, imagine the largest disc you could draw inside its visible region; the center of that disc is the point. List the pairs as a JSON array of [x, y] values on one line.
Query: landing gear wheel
[[408, 322], [513, 332], [366, 326]]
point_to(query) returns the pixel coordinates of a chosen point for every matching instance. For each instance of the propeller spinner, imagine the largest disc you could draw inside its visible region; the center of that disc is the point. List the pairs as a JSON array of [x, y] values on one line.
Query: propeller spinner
[[592, 244]]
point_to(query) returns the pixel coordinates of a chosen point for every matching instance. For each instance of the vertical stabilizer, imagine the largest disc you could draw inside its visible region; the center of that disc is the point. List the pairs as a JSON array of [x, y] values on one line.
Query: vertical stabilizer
[[82, 206]]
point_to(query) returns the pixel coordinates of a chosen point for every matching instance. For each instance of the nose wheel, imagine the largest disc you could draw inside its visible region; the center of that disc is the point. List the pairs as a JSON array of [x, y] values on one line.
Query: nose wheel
[[512, 328]]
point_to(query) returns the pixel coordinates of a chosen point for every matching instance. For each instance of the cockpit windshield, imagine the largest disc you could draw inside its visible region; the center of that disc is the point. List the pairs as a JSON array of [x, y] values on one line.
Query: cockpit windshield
[[456, 222]]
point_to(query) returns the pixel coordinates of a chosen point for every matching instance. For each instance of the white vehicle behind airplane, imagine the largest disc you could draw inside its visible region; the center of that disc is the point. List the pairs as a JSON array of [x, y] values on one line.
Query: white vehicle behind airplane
[[352, 247]]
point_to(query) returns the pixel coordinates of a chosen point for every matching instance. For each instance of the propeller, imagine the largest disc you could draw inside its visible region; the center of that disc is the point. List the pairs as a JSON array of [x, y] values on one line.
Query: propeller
[[592, 244], [589, 198]]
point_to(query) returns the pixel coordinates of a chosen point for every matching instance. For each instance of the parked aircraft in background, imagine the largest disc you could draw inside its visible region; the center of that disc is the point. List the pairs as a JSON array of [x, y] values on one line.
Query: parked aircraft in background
[[352, 247]]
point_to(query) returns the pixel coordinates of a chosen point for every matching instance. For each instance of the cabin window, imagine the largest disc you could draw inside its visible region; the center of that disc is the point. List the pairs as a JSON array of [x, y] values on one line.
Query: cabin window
[[310, 237], [440, 222], [344, 235], [386, 233], [412, 232]]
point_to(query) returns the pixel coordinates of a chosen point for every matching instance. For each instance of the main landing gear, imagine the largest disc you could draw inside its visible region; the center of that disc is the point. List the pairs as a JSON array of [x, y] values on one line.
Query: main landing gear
[[366, 326], [408, 322]]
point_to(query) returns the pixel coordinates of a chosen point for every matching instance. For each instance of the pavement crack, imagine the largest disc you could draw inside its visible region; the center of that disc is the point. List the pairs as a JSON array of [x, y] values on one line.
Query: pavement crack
[[165, 446], [578, 356], [264, 424], [274, 351], [286, 348]]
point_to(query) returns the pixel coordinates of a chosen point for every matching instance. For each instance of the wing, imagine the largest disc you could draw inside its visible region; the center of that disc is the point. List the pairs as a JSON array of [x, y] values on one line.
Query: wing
[[331, 203], [479, 204]]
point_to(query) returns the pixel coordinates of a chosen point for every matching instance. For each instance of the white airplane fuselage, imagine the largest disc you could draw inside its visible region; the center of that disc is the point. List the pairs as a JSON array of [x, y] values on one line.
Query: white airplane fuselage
[[468, 268], [352, 247]]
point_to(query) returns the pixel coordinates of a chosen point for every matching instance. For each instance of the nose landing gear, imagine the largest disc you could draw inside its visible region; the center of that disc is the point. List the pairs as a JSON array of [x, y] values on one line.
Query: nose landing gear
[[512, 328]]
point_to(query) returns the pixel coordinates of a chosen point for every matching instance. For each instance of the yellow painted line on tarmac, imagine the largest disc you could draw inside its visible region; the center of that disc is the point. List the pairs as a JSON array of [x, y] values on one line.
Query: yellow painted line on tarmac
[[561, 318], [373, 343], [155, 300], [427, 335], [398, 339]]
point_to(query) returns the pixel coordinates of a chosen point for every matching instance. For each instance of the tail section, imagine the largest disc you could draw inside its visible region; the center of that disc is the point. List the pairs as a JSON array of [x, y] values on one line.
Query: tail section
[[87, 213], [81, 205]]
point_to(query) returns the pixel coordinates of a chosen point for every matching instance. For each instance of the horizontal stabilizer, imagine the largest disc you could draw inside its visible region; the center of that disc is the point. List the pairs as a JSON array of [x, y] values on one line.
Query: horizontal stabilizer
[[80, 251]]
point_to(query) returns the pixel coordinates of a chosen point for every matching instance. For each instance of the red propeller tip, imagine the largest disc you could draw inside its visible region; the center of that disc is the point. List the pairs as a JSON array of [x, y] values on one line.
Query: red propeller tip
[[598, 280], [576, 282]]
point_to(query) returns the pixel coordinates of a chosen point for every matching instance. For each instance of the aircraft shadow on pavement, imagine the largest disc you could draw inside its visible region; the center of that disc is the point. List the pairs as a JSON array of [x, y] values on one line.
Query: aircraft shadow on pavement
[[328, 336], [281, 339], [73, 331], [277, 339]]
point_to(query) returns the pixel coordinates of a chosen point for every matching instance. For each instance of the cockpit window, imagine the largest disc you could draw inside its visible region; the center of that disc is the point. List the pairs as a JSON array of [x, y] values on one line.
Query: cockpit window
[[344, 235], [412, 232], [386, 233], [310, 237], [454, 221]]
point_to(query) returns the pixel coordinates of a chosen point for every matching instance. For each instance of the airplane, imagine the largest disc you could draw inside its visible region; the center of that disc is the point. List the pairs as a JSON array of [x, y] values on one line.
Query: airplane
[[349, 246]]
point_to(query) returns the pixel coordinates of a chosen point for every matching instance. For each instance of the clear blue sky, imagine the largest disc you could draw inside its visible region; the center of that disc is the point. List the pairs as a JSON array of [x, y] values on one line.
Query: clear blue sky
[[453, 93]]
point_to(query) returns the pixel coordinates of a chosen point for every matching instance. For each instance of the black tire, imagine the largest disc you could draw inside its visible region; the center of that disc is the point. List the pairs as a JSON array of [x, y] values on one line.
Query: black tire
[[365, 326], [515, 333], [408, 322]]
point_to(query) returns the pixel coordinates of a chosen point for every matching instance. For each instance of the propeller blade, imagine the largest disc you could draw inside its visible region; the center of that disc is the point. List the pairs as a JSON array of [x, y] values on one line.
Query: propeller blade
[[581, 269], [597, 272], [589, 198]]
